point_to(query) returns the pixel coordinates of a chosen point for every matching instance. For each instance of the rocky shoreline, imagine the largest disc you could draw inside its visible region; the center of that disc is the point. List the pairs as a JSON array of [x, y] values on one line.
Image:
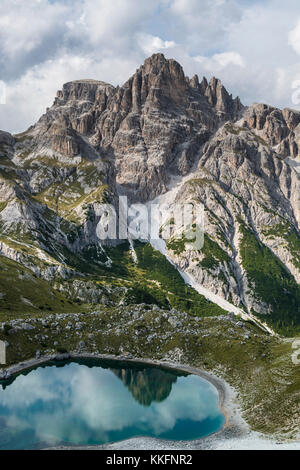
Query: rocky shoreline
[[231, 352], [235, 434], [234, 425]]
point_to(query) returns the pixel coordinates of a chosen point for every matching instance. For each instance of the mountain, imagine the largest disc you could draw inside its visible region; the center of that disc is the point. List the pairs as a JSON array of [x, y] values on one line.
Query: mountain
[[147, 385], [164, 137]]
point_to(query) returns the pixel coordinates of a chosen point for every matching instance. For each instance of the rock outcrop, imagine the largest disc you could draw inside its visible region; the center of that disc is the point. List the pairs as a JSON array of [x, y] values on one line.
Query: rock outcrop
[[279, 128], [151, 127], [98, 141], [251, 200]]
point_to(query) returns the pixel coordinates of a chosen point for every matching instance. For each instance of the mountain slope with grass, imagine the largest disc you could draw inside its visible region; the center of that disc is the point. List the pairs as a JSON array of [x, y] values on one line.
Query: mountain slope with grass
[[165, 137]]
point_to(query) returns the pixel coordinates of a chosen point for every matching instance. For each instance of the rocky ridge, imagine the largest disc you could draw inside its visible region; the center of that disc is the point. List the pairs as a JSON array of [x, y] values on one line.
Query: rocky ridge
[[98, 141]]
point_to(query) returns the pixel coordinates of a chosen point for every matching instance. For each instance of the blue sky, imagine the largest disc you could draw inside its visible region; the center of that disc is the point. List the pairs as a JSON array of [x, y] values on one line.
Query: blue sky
[[252, 46]]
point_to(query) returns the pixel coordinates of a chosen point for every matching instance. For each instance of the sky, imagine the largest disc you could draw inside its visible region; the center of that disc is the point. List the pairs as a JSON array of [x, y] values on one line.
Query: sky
[[252, 46]]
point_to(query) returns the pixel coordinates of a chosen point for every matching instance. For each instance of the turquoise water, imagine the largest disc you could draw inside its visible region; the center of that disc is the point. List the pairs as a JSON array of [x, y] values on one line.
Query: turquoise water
[[85, 403]]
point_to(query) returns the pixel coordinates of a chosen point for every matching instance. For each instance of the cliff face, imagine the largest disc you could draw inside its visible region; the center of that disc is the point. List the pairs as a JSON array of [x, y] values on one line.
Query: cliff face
[[251, 199], [150, 128], [98, 141]]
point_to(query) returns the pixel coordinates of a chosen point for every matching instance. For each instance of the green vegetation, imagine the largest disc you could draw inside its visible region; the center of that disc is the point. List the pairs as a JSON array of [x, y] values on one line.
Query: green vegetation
[[237, 130], [214, 254], [82, 186], [234, 129], [65, 197], [153, 280], [259, 139], [5, 161], [201, 182], [177, 244], [291, 237], [180, 296], [22, 292], [3, 204], [272, 283], [141, 293], [22, 137]]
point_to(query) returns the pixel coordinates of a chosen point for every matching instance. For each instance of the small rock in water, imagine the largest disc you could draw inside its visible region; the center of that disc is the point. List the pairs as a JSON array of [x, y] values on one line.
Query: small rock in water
[[62, 357]]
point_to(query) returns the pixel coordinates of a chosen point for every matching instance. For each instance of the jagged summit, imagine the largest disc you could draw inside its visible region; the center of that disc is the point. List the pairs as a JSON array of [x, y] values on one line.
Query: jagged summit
[[157, 64], [158, 81], [98, 141], [81, 90], [151, 126]]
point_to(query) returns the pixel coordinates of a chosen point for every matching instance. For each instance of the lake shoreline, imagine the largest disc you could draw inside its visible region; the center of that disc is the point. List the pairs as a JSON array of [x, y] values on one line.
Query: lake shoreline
[[233, 426], [235, 433]]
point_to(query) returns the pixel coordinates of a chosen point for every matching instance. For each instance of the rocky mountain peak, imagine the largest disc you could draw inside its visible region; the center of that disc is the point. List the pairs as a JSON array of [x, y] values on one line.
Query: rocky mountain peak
[[194, 82], [98, 141], [157, 64], [159, 82], [6, 138], [220, 99], [85, 90], [151, 127], [279, 128]]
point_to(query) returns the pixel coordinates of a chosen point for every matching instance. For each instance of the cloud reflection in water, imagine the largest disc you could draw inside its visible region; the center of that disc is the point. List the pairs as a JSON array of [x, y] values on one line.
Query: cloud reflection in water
[[81, 405]]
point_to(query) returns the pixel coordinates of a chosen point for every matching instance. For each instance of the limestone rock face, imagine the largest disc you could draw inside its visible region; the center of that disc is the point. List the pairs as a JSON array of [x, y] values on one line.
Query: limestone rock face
[[219, 98], [83, 90], [250, 195], [159, 121], [98, 141], [151, 127], [279, 128], [6, 139]]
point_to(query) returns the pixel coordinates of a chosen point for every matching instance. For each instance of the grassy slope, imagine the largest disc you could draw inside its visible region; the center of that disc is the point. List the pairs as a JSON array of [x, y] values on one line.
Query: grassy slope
[[24, 293], [179, 295], [271, 283], [291, 237], [152, 280]]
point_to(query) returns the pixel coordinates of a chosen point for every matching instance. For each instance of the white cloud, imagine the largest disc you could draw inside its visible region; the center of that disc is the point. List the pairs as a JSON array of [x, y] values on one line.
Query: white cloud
[[151, 44], [97, 400], [228, 58], [29, 30], [2, 92], [217, 62], [252, 46], [28, 97], [294, 38], [108, 22], [203, 25]]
